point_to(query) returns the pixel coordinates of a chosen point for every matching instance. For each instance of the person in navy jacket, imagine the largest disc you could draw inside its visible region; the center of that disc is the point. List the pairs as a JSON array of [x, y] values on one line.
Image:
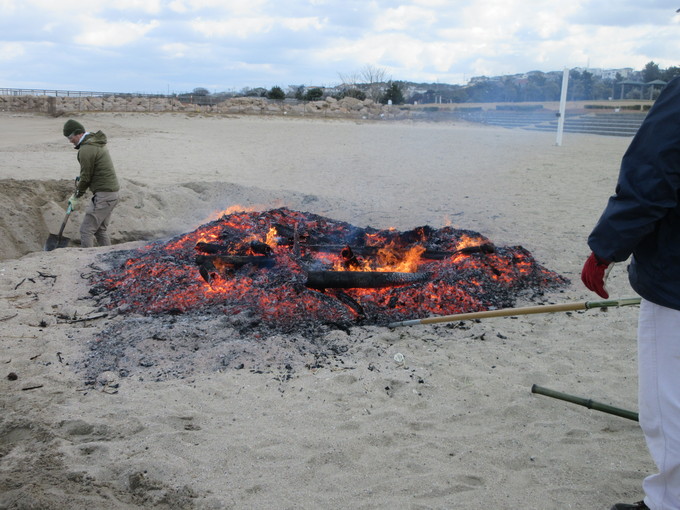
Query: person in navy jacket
[[642, 221]]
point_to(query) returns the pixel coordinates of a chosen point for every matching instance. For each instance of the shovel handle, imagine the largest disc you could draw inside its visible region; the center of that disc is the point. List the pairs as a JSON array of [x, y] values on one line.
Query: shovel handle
[[69, 209]]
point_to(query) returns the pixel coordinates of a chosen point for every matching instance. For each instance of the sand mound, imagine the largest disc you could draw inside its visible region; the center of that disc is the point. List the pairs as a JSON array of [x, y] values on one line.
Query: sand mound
[[30, 210]]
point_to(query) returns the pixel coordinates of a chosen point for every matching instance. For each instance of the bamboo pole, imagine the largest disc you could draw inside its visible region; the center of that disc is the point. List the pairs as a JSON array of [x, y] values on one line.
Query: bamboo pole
[[586, 402], [510, 312]]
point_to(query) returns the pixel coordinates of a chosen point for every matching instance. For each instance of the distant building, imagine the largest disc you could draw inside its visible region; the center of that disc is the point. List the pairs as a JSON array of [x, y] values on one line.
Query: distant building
[[484, 79], [606, 74]]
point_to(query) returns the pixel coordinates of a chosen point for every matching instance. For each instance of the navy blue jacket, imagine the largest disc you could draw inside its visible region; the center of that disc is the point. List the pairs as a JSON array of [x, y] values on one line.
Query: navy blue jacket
[[643, 217]]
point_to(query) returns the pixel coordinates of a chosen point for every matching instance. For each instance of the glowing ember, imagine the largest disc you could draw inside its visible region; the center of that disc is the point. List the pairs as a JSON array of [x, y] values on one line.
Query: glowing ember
[[264, 263]]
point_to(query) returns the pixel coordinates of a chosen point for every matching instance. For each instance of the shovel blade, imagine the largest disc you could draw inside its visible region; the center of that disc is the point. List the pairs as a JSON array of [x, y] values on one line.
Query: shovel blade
[[54, 241]]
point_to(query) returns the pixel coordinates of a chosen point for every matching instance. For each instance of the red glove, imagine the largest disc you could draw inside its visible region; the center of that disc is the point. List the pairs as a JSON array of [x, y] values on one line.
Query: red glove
[[594, 274]]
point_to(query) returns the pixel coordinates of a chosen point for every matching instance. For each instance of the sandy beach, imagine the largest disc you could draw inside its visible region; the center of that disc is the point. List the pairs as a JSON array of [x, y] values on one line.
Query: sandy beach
[[453, 425]]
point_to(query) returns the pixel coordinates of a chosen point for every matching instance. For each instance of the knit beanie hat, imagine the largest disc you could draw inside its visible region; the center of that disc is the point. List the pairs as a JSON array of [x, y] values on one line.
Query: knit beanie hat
[[73, 127]]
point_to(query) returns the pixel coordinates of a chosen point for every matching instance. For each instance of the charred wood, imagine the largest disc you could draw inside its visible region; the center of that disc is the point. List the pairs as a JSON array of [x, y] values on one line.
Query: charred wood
[[290, 235], [222, 264], [361, 279], [481, 248], [260, 248], [254, 247], [213, 248], [349, 259], [236, 261], [296, 242], [350, 302], [369, 251]]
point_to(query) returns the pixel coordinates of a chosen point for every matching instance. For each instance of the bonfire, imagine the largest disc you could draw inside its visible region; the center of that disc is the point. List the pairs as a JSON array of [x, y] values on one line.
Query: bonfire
[[290, 269]]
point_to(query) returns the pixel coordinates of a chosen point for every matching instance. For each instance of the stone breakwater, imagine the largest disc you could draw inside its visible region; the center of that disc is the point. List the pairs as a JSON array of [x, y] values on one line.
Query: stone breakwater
[[330, 107]]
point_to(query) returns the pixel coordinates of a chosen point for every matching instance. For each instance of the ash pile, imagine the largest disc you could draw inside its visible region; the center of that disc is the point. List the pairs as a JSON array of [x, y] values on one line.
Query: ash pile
[[280, 289]]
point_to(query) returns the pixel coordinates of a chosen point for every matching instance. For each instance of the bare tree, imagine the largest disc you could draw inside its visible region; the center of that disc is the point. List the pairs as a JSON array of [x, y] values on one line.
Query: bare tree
[[372, 74], [375, 79], [349, 80]]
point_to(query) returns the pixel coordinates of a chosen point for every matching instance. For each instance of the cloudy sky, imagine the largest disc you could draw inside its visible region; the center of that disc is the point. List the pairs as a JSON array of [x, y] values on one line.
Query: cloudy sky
[[161, 46]]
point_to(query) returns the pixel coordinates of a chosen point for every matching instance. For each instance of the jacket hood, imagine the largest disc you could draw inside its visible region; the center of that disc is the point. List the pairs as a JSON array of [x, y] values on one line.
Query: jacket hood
[[97, 138]]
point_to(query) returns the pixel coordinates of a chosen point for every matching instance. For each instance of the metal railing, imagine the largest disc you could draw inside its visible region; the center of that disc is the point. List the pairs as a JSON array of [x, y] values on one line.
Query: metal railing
[[70, 93]]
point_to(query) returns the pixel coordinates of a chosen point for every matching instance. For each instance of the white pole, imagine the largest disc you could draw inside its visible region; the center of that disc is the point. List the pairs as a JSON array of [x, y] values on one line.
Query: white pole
[[563, 104]]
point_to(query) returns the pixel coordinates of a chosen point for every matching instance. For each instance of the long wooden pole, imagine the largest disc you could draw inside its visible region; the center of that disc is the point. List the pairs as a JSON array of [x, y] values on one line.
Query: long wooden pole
[[510, 312]]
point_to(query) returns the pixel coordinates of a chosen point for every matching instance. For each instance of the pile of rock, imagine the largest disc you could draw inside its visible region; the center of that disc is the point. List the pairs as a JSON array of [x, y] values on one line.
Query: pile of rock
[[347, 107], [329, 107], [67, 104]]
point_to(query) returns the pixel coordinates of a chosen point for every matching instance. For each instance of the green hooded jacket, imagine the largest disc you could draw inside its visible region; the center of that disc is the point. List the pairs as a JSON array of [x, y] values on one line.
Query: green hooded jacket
[[96, 166]]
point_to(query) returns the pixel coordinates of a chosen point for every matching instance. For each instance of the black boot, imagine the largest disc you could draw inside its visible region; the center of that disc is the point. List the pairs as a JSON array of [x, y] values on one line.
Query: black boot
[[640, 505]]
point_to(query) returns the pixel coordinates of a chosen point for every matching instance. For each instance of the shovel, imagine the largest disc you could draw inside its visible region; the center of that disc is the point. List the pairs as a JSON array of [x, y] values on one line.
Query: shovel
[[59, 241]]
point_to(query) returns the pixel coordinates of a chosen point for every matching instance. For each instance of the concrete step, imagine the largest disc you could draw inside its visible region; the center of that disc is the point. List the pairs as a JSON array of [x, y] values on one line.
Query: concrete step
[[593, 131], [608, 124]]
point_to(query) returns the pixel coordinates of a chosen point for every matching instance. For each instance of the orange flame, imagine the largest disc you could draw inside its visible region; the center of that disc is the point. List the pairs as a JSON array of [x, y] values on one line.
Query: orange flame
[[230, 210], [271, 238], [467, 241], [388, 258]]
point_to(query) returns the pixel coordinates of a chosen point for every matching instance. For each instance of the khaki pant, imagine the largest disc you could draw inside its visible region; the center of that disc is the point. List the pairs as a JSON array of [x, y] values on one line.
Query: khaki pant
[[97, 217]]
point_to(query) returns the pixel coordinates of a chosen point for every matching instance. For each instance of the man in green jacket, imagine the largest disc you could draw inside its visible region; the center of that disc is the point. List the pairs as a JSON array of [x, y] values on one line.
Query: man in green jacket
[[97, 174]]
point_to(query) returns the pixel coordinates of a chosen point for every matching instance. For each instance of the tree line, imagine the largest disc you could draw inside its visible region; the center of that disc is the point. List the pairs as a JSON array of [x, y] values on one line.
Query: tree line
[[372, 83]]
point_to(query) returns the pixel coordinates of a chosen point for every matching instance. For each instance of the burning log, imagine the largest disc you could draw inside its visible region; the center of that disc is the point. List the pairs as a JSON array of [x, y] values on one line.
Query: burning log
[[212, 248], [361, 279], [257, 247], [236, 261], [481, 248], [348, 252], [222, 264]]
